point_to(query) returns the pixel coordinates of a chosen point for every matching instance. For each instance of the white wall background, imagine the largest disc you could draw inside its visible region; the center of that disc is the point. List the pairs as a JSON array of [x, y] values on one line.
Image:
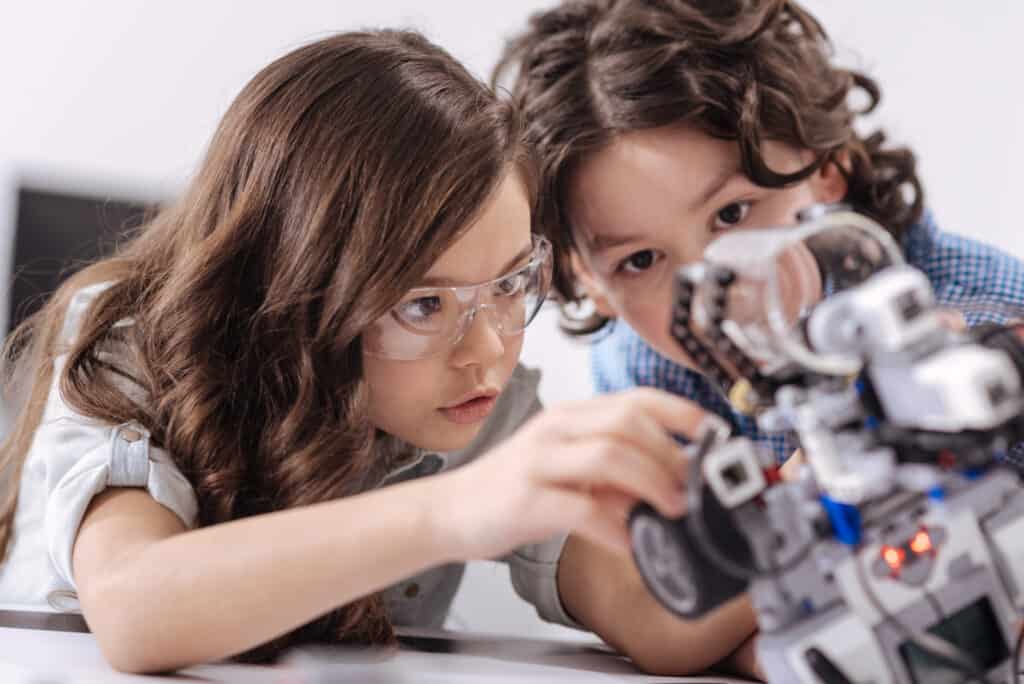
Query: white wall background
[[120, 97]]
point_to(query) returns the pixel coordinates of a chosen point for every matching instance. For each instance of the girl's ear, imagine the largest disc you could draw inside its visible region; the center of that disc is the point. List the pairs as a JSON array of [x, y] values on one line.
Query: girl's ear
[[828, 183], [591, 286]]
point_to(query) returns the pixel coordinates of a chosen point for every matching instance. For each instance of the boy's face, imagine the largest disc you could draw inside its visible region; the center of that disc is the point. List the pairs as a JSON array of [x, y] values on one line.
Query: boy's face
[[652, 200], [441, 402]]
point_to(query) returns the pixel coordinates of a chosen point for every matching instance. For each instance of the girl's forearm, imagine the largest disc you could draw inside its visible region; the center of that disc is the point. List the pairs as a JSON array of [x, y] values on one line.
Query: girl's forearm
[[607, 595], [211, 593]]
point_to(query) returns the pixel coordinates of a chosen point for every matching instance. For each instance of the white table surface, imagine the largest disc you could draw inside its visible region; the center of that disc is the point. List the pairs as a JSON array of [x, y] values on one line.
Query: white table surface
[[29, 656]]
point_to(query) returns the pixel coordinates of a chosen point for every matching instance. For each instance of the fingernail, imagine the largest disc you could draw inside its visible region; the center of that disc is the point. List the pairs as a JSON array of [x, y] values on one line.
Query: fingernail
[[676, 505]]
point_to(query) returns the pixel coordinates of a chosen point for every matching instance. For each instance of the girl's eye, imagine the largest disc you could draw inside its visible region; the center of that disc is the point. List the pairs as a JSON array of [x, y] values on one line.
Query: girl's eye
[[510, 286], [419, 309], [638, 262], [731, 214]]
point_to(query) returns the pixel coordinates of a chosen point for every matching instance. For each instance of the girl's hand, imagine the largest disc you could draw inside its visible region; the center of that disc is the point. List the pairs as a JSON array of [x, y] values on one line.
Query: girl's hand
[[579, 467]]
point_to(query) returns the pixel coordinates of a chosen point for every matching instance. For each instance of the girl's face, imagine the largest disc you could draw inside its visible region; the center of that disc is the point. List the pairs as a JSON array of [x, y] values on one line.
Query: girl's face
[[440, 402], [651, 202]]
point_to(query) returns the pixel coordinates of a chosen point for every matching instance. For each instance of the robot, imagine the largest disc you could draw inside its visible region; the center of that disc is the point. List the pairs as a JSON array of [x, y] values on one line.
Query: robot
[[896, 552]]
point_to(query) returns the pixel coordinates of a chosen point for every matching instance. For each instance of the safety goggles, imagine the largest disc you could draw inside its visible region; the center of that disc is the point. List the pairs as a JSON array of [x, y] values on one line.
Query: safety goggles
[[430, 320]]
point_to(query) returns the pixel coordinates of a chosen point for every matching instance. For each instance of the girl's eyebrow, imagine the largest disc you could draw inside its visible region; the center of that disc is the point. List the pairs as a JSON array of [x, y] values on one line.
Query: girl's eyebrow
[[435, 281]]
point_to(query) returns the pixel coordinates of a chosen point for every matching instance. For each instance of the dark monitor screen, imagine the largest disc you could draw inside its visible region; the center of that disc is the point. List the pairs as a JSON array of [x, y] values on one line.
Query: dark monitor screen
[[56, 234], [974, 630]]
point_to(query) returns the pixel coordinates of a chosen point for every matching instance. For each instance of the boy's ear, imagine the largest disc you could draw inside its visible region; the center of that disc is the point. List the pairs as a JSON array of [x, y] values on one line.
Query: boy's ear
[[591, 286], [828, 183]]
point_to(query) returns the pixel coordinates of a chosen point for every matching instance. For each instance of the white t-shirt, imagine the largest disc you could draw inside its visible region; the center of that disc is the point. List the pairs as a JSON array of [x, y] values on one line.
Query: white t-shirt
[[73, 458]]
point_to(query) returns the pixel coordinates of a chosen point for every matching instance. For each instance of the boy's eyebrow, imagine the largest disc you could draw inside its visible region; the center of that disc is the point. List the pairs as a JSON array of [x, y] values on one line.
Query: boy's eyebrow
[[715, 186], [601, 243], [431, 281]]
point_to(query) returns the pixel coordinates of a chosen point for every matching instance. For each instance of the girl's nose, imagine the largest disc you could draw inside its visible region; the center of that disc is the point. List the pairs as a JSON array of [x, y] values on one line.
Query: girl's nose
[[482, 344]]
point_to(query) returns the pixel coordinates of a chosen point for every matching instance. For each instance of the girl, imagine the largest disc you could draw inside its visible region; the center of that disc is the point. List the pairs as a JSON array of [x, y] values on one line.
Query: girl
[[661, 124], [335, 303]]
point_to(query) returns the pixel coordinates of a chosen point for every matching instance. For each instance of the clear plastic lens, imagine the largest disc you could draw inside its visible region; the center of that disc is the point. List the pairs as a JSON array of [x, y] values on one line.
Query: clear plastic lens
[[426, 313], [514, 285], [518, 298], [429, 312], [430, 320], [781, 273]]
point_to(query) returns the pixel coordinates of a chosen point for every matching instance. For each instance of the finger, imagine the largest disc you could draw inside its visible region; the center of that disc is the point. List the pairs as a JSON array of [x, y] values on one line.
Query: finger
[[790, 470], [630, 427], [598, 464], [643, 417], [634, 427], [614, 503], [608, 521], [952, 319], [599, 521], [673, 414]]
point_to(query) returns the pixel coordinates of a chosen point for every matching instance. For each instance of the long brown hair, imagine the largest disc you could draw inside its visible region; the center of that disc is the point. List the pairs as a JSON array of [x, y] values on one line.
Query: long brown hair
[[340, 173], [744, 70]]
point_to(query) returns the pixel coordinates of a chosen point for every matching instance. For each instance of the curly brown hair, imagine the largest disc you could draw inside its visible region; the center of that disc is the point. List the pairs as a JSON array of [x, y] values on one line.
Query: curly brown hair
[[744, 70], [340, 173]]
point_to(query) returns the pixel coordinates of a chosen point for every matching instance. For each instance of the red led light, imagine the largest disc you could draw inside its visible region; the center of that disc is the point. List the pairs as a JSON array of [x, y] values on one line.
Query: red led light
[[893, 557], [921, 543]]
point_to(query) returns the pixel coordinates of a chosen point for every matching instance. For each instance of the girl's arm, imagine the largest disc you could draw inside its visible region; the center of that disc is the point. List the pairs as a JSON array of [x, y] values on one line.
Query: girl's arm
[[158, 597], [744, 659], [605, 593]]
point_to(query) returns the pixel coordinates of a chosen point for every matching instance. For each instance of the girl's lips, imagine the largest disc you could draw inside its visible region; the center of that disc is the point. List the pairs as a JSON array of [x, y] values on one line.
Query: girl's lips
[[471, 411]]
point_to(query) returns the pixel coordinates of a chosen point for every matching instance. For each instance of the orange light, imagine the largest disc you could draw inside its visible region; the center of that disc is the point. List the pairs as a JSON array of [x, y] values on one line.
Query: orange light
[[921, 543], [893, 557]]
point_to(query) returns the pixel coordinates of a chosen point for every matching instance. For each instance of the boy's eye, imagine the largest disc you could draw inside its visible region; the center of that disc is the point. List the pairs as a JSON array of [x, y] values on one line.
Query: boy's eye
[[731, 214], [638, 262]]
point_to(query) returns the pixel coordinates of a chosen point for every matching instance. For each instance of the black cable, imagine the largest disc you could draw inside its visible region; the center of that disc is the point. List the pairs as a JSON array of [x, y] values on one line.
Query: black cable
[[697, 524], [1017, 648], [933, 645]]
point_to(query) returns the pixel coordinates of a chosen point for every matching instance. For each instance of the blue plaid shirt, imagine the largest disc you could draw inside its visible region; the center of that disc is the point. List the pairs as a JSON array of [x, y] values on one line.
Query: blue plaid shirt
[[983, 282]]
